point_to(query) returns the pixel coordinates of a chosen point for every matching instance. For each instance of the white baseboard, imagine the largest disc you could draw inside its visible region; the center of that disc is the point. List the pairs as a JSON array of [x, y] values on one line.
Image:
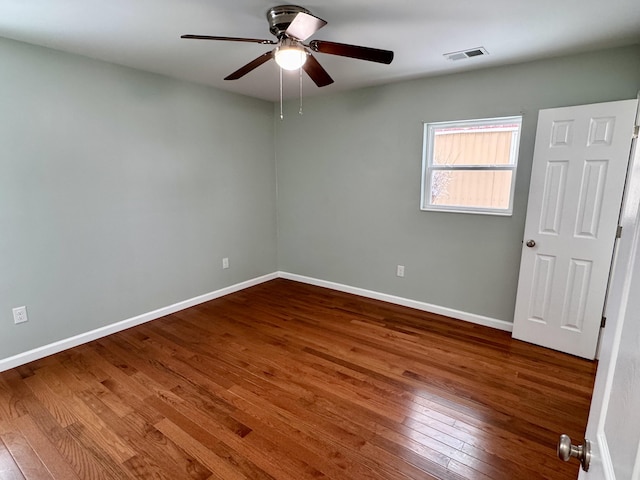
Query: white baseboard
[[426, 307], [59, 346], [46, 350]]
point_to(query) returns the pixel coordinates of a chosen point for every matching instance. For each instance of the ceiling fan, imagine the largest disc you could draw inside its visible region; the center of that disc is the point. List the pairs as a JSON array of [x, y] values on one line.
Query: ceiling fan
[[292, 25]]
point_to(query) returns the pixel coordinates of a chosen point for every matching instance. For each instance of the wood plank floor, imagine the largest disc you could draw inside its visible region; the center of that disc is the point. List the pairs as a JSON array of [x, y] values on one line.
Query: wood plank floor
[[290, 381]]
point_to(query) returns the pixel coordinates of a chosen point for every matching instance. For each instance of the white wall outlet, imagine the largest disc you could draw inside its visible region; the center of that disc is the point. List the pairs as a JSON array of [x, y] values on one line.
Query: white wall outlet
[[400, 270], [225, 262], [20, 315]]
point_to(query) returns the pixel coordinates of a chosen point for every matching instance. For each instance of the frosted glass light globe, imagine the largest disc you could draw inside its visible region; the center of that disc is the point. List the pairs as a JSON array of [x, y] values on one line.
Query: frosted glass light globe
[[291, 57]]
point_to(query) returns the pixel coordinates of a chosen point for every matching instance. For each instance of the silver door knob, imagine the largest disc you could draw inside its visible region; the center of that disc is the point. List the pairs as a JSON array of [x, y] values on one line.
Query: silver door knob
[[581, 452], [531, 243]]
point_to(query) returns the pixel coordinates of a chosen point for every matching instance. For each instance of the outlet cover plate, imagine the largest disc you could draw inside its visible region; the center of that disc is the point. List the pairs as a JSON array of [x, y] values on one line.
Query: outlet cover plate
[[20, 315]]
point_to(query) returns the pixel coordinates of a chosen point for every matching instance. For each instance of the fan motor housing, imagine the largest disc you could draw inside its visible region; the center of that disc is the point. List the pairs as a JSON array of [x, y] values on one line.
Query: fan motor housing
[[280, 18]]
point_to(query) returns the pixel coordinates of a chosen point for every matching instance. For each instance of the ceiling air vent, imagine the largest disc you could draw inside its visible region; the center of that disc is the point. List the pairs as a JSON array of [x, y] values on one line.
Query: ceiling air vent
[[473, 52]]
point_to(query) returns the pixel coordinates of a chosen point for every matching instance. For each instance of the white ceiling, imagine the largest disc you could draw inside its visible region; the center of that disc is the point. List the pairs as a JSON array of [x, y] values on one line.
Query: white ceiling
[[144, 34]]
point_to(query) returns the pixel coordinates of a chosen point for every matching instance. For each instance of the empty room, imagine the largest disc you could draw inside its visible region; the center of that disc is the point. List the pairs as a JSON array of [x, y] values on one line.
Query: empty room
[[340, 240]]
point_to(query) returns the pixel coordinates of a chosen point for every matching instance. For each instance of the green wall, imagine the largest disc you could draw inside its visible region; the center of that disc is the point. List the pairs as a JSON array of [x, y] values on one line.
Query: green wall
[[349, 180], [121, 191]]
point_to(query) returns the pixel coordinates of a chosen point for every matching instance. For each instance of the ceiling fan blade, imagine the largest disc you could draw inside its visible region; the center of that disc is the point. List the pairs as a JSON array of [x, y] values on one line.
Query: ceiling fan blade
[[230, 39], [242, 71], [353, 51], [316, 72], [303, 26]]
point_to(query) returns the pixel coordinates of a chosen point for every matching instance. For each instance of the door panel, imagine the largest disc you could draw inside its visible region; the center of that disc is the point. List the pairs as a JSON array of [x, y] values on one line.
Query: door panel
[[577, 180], [591, 195], [575, 299], [553, 201], [543, 274]]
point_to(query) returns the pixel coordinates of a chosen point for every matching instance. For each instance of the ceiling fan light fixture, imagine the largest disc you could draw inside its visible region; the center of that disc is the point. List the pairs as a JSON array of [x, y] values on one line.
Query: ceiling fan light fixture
[[290, 57], [292, 25]]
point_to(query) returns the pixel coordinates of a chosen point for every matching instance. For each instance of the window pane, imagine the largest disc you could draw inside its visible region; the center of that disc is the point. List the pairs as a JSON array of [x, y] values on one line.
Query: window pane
[[470, 165], [471, 188], [468, 146]]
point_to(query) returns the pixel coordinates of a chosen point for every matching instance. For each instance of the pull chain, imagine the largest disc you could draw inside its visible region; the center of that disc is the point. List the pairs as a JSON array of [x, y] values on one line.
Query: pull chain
[[281, 114], [300, 111]]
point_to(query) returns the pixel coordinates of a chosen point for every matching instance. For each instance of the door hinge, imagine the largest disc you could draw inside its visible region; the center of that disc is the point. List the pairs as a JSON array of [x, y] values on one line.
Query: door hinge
[[636, 131], [603, 322], [619, 231]]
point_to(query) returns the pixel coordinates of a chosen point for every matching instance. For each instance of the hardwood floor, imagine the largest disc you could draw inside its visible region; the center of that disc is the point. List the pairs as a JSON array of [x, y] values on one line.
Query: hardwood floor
[[290, 381]]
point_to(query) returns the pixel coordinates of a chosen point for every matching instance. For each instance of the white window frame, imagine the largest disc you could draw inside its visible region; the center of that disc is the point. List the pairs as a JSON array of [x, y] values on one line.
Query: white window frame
[[428, 167]]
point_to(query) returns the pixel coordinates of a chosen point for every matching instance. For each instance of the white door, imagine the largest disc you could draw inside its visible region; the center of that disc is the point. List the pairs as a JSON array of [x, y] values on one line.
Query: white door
[[577, 181], [614, 419]]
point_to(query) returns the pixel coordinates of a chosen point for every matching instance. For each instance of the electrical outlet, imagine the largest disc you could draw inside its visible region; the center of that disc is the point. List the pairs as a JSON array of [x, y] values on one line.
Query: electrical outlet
[[20, 315], [400, 270], [225, 262]]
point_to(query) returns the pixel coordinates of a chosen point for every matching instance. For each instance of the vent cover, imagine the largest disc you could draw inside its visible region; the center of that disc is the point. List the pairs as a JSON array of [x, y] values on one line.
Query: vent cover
[[472, 52]]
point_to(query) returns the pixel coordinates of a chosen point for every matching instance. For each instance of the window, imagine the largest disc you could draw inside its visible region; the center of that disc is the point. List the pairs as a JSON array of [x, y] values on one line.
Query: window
[[469, 166]]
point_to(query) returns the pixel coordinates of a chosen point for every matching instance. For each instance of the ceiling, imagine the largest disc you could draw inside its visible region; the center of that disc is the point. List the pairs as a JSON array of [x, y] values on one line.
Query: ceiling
[[144, 34]]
